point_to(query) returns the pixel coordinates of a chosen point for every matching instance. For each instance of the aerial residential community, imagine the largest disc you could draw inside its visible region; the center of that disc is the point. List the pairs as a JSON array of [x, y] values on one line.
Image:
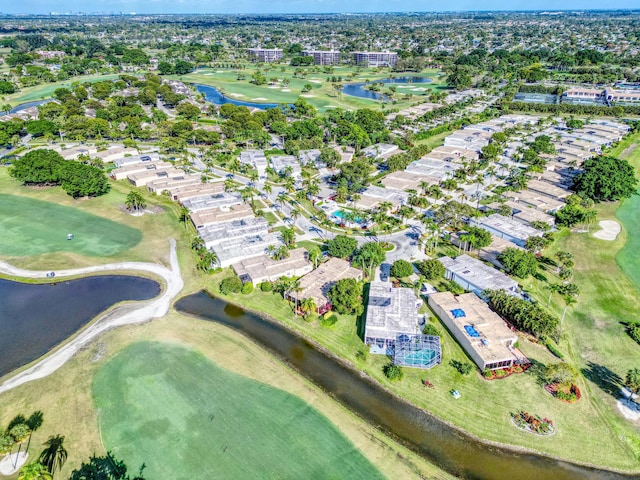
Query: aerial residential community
[[254, 244]]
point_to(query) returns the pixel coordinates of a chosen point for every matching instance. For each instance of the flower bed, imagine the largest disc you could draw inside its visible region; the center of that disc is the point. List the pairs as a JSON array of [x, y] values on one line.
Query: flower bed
[[533, 423], [505, 372], [569, 394]]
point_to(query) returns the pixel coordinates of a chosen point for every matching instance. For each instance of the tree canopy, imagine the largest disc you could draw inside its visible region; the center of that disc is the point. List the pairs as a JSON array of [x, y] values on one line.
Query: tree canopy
[[46, 167], [606, 179], [518, 262], [346, 296], [342, 246]]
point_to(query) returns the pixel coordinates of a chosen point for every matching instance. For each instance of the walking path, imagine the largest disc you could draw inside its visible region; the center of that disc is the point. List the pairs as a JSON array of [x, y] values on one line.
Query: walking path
[[129, 313]]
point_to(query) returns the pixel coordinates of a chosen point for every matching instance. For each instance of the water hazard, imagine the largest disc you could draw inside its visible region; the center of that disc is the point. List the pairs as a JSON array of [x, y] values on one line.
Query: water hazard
[[361, 90], [213, 95], [36, 318], [445, 446]]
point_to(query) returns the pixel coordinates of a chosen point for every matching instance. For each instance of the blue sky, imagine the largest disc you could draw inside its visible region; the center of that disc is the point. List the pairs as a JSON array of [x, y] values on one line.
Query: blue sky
[[298, 6]]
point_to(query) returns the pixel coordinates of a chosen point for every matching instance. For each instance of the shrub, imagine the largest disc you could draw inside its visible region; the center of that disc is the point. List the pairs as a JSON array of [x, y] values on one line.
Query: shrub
[[463, 368], [401, 268], [431, 269], [266, 286], [553, 349], [634, 331], [393, 372], [431, 329], [454, 287], [328, 320], [230, 285], [247, 288]]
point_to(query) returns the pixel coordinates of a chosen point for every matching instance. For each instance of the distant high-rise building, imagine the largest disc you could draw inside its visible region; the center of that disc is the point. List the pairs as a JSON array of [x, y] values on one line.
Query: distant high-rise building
[[266, 55], [376, 59], [323, 57]]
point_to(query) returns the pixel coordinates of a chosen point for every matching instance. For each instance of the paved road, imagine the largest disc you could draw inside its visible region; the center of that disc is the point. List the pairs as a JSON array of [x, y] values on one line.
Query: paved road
[[129, 313]]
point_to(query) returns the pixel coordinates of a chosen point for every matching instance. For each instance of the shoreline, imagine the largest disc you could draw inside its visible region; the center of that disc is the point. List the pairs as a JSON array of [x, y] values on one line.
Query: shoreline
[[507, 448], [122, 314]]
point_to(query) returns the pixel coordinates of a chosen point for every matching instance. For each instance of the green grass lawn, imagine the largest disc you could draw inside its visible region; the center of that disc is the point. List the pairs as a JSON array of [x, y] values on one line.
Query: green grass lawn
[[186, 417], [33, 227], [485, 406], [40, 92], [322, 95]]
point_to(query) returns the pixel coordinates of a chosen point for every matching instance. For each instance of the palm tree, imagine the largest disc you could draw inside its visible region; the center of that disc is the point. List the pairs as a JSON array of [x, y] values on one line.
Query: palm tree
[[553, 288], [54, 456], [288, 236], [314, 255], [267, 188], [135, 201], [307, 306], [568, 301], [183, 216], [295, 213], [281, 198], [35, 471]]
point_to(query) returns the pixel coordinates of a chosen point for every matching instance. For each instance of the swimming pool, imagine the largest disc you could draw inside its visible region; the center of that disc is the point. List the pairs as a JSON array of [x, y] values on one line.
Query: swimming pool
[[341, 213]]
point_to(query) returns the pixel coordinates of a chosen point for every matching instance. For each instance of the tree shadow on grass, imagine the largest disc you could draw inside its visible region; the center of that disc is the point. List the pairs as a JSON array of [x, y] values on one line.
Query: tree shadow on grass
[[608, 381], [536, 370], [361, 319]]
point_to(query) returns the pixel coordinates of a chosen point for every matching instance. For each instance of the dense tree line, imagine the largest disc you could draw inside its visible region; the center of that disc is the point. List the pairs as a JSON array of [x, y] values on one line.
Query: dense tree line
[[525, 316], [46, 167]]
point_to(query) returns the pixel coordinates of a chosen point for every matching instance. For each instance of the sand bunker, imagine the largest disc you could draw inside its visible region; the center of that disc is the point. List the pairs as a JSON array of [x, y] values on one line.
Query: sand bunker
[[315, 81], [259, 99], [609, 230], [236, 95], [306, 95], [285, 90]]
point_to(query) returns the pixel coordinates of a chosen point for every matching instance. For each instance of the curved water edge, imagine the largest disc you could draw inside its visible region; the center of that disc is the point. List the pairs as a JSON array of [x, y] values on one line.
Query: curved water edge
[[24, 106], [213, 95], [359, 90], [35, 318], [441, 443]]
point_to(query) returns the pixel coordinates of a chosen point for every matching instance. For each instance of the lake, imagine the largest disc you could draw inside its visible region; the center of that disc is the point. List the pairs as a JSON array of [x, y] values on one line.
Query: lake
[[213, 95], [360, 90], [36, 318], [446, 446]]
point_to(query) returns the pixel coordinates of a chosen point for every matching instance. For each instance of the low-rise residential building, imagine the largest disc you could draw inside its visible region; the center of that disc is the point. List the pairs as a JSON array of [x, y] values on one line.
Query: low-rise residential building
[[263, 268], [135, 159], [162, 185], [202, 218], [280, 164], [375, 59], [527, 215], [323, 57], [144, 178], [375, 195], [380, 150], [149, 168], [475, 276], [214, 200], [234, 249], [180, 194], [317, 283], [507, 228], [535, 200], [266, 55], [468, 140], [480, 331], [310, 157], [257, 160]]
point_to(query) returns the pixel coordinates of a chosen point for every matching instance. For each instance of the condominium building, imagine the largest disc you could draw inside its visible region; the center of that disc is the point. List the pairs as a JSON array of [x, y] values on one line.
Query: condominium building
[[323, 57], [376, 59], [266, 55]]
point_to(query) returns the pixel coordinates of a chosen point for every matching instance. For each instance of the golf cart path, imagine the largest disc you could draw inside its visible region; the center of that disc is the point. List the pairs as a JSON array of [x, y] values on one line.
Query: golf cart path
[[128, 313]]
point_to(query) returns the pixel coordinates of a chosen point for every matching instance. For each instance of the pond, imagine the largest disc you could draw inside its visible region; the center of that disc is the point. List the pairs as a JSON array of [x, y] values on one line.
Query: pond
[[36, 318], [213, 95], [360, 90], [24, 106], [442, 444]]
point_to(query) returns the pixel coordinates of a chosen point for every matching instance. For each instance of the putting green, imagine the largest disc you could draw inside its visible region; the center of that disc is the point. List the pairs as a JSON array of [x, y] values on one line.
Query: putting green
[[185, 417], [33, 227]]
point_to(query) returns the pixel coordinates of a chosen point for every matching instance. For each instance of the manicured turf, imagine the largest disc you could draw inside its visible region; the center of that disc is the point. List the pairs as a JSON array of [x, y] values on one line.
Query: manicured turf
[[33, 227], [185, 417]]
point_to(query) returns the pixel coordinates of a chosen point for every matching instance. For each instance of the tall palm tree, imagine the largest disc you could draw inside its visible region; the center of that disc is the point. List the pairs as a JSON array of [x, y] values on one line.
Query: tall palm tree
[[183, 216], [54, 456], [307, 306], [35, 471], [135, 201]]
